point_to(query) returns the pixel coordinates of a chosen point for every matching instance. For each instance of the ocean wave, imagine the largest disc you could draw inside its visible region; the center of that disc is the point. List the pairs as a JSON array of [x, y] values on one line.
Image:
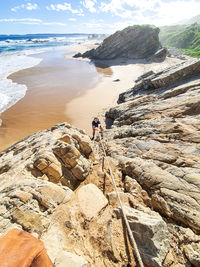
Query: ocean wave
[[11, 92], [15, 55]]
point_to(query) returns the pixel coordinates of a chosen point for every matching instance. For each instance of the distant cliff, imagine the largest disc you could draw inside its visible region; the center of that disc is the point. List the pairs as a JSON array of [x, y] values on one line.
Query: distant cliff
[[134, 42]]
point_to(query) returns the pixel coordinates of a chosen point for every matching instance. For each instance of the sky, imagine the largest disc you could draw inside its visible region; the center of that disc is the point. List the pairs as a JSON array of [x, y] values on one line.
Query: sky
[[90, 16]]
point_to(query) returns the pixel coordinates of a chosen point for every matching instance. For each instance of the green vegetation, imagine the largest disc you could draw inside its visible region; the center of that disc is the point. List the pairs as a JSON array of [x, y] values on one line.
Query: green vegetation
[[184, 37]]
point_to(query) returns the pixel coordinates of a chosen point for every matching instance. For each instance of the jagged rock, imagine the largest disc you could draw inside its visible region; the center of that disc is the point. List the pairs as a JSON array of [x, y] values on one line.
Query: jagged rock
[[145, 75], [67, 259], [155, 137], [88, 227], [61, 153], [176, 197], [192, 252], [158, 134], [151, 235], [139, 41], [134, 188], [77, 55], [29, 204], [159, 56], [163, 79]]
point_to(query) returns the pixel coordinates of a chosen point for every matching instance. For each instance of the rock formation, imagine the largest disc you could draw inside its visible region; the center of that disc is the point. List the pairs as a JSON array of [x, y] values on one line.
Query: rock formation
[[53, 183], [38, 176], [134, 42], [155, 136]]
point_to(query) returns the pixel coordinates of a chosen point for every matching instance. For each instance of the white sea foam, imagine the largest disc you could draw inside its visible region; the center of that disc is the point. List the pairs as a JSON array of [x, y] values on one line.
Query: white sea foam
[[13, 60], [11, 92]]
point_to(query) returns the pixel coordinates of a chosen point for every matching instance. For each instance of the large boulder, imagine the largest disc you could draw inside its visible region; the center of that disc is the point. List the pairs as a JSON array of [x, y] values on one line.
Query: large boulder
[[151, 235], [139, 41]]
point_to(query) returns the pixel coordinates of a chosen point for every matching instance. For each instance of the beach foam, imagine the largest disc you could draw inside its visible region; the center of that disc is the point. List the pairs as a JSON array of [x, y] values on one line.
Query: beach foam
[[15, 55], [11, 92]]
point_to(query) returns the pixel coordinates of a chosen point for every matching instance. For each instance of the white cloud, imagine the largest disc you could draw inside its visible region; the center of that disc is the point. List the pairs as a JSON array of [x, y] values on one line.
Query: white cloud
[[99, 27], [21, 20], [155, 12], [54, 23], [28, 6], [33, 21], [72, 19], [65, 7], [89, 4]]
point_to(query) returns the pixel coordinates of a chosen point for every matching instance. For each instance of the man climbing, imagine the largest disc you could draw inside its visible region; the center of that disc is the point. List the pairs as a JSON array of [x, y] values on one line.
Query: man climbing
[[95, 125]]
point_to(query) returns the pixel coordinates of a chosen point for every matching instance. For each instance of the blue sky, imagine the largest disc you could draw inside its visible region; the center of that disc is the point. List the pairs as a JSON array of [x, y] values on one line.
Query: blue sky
[[90, 16]]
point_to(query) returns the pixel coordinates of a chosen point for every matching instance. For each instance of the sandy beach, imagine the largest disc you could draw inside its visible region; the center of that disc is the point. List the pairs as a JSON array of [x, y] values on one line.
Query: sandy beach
[[62, 88], [96, 101]]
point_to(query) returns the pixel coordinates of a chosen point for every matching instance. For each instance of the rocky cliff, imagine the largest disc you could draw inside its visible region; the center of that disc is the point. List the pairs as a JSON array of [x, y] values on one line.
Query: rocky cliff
[[133, 42], [155, 136], [52, 185], [56, 185]]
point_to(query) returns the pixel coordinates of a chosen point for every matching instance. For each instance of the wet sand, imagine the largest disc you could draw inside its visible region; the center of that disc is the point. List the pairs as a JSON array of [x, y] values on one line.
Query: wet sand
[[95, 102], [51, 85], [72, 90]]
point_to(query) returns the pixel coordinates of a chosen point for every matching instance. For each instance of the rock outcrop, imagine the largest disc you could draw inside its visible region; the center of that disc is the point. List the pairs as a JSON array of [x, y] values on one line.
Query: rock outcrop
[[155, 136], [55, 185], [134, 42], [168, 77], [60, 154]]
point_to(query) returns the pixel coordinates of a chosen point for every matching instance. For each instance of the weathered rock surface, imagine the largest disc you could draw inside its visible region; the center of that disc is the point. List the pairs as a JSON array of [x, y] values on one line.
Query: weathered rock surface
[[67, 259], [139, 41], [29, 203], [37, 177], [154, 151], [151, 235], [88, 227], [155, 136], [60, 154], [37, 174], [161, 80]]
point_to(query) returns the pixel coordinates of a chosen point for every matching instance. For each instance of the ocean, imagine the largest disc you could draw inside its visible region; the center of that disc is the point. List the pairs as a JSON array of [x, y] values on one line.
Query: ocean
[[15, 55]]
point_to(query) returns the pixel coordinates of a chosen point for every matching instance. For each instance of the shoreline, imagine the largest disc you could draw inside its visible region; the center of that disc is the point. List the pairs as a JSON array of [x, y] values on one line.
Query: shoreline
[[50, 85], [96, 101], [28, 116]]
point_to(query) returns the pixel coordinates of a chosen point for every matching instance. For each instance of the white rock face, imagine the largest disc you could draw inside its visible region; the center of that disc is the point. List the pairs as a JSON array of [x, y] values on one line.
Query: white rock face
[[67, 259], [151, 235], [91, 200]]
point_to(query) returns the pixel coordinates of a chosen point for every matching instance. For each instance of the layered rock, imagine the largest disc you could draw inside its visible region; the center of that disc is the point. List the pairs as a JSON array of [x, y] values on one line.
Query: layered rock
[[161, 80], [151, 235], [36, 176], [139, 41], [54, 184], [60, 154], [155, 136]]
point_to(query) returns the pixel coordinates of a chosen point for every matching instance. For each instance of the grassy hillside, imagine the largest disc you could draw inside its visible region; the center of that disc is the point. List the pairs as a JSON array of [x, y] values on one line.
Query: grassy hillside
[[184, 37], [195, 19]]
